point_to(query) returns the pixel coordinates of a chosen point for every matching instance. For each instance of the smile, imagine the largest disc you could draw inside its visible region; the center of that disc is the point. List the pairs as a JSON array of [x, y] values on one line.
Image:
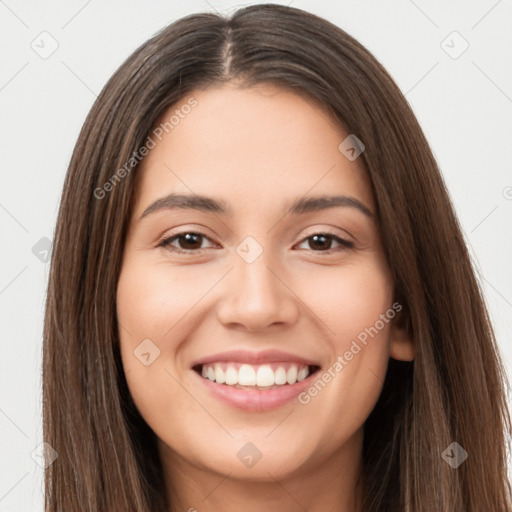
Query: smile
[[264, 376], [255, 382]]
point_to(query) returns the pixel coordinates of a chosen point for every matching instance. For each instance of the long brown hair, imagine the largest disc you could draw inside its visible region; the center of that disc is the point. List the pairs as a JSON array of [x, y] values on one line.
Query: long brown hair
[[454, 390]]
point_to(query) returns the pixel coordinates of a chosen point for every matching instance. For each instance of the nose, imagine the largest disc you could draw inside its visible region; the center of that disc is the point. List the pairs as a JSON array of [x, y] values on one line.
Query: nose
[[256, 296]]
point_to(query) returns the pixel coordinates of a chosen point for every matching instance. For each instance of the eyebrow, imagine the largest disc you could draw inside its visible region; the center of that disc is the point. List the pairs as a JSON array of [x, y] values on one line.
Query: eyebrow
[[208, 204]]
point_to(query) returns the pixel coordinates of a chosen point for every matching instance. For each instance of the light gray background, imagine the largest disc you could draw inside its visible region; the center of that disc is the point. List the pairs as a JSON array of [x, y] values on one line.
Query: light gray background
[[464, 105]]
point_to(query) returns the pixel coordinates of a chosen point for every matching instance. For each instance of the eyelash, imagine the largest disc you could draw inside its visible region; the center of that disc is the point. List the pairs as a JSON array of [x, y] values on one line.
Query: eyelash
[[345, 244]]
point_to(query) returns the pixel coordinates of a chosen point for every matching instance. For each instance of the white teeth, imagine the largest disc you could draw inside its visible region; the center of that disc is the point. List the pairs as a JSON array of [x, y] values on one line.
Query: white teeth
[[246, 375], [280, 376], [220, 376], [303, 373], [231, 376], [291, 375], [260, 376], [265, 376]]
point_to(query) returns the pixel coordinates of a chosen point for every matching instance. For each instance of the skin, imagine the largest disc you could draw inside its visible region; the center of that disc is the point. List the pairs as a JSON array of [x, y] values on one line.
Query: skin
[[257, 149]]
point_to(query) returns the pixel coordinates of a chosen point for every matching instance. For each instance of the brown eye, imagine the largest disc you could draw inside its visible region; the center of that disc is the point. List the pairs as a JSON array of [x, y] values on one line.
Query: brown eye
[[322, 242], [186, 242]]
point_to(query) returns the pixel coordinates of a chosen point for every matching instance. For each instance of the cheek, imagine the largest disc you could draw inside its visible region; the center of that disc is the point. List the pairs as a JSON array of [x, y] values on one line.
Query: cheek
[[151, 302], [362, 302], [149, 312], [363, 328], [356, 305], [349, 299], [147, 309], [157, 310]]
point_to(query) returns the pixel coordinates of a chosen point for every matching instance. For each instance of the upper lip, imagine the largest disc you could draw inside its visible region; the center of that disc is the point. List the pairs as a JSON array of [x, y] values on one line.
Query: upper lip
[[264, 356]]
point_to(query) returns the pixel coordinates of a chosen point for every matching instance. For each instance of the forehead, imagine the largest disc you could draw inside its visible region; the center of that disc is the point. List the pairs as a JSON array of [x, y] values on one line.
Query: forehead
[[259, 145]]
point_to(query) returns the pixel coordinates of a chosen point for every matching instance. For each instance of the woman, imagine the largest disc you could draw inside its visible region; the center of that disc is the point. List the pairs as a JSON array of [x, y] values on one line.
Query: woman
[[260, 296]]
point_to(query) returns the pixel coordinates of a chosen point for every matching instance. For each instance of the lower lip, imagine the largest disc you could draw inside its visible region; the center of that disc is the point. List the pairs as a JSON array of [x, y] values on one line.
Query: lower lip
[[255, 400]]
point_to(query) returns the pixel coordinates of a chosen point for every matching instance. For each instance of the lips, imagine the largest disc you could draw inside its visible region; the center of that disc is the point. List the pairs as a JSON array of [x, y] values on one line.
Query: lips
[[266, 356], [255, 381]]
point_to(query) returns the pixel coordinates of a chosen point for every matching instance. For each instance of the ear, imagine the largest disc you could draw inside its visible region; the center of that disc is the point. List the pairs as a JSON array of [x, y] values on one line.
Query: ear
[[402, 345]]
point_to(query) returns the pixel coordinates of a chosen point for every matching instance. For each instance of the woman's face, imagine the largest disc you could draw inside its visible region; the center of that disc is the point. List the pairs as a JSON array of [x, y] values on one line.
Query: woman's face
[[258, 283]]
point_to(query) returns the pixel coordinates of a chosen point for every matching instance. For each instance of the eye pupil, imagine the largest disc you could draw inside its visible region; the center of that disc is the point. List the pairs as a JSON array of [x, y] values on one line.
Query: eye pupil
[[193, 239], [320, 241]]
